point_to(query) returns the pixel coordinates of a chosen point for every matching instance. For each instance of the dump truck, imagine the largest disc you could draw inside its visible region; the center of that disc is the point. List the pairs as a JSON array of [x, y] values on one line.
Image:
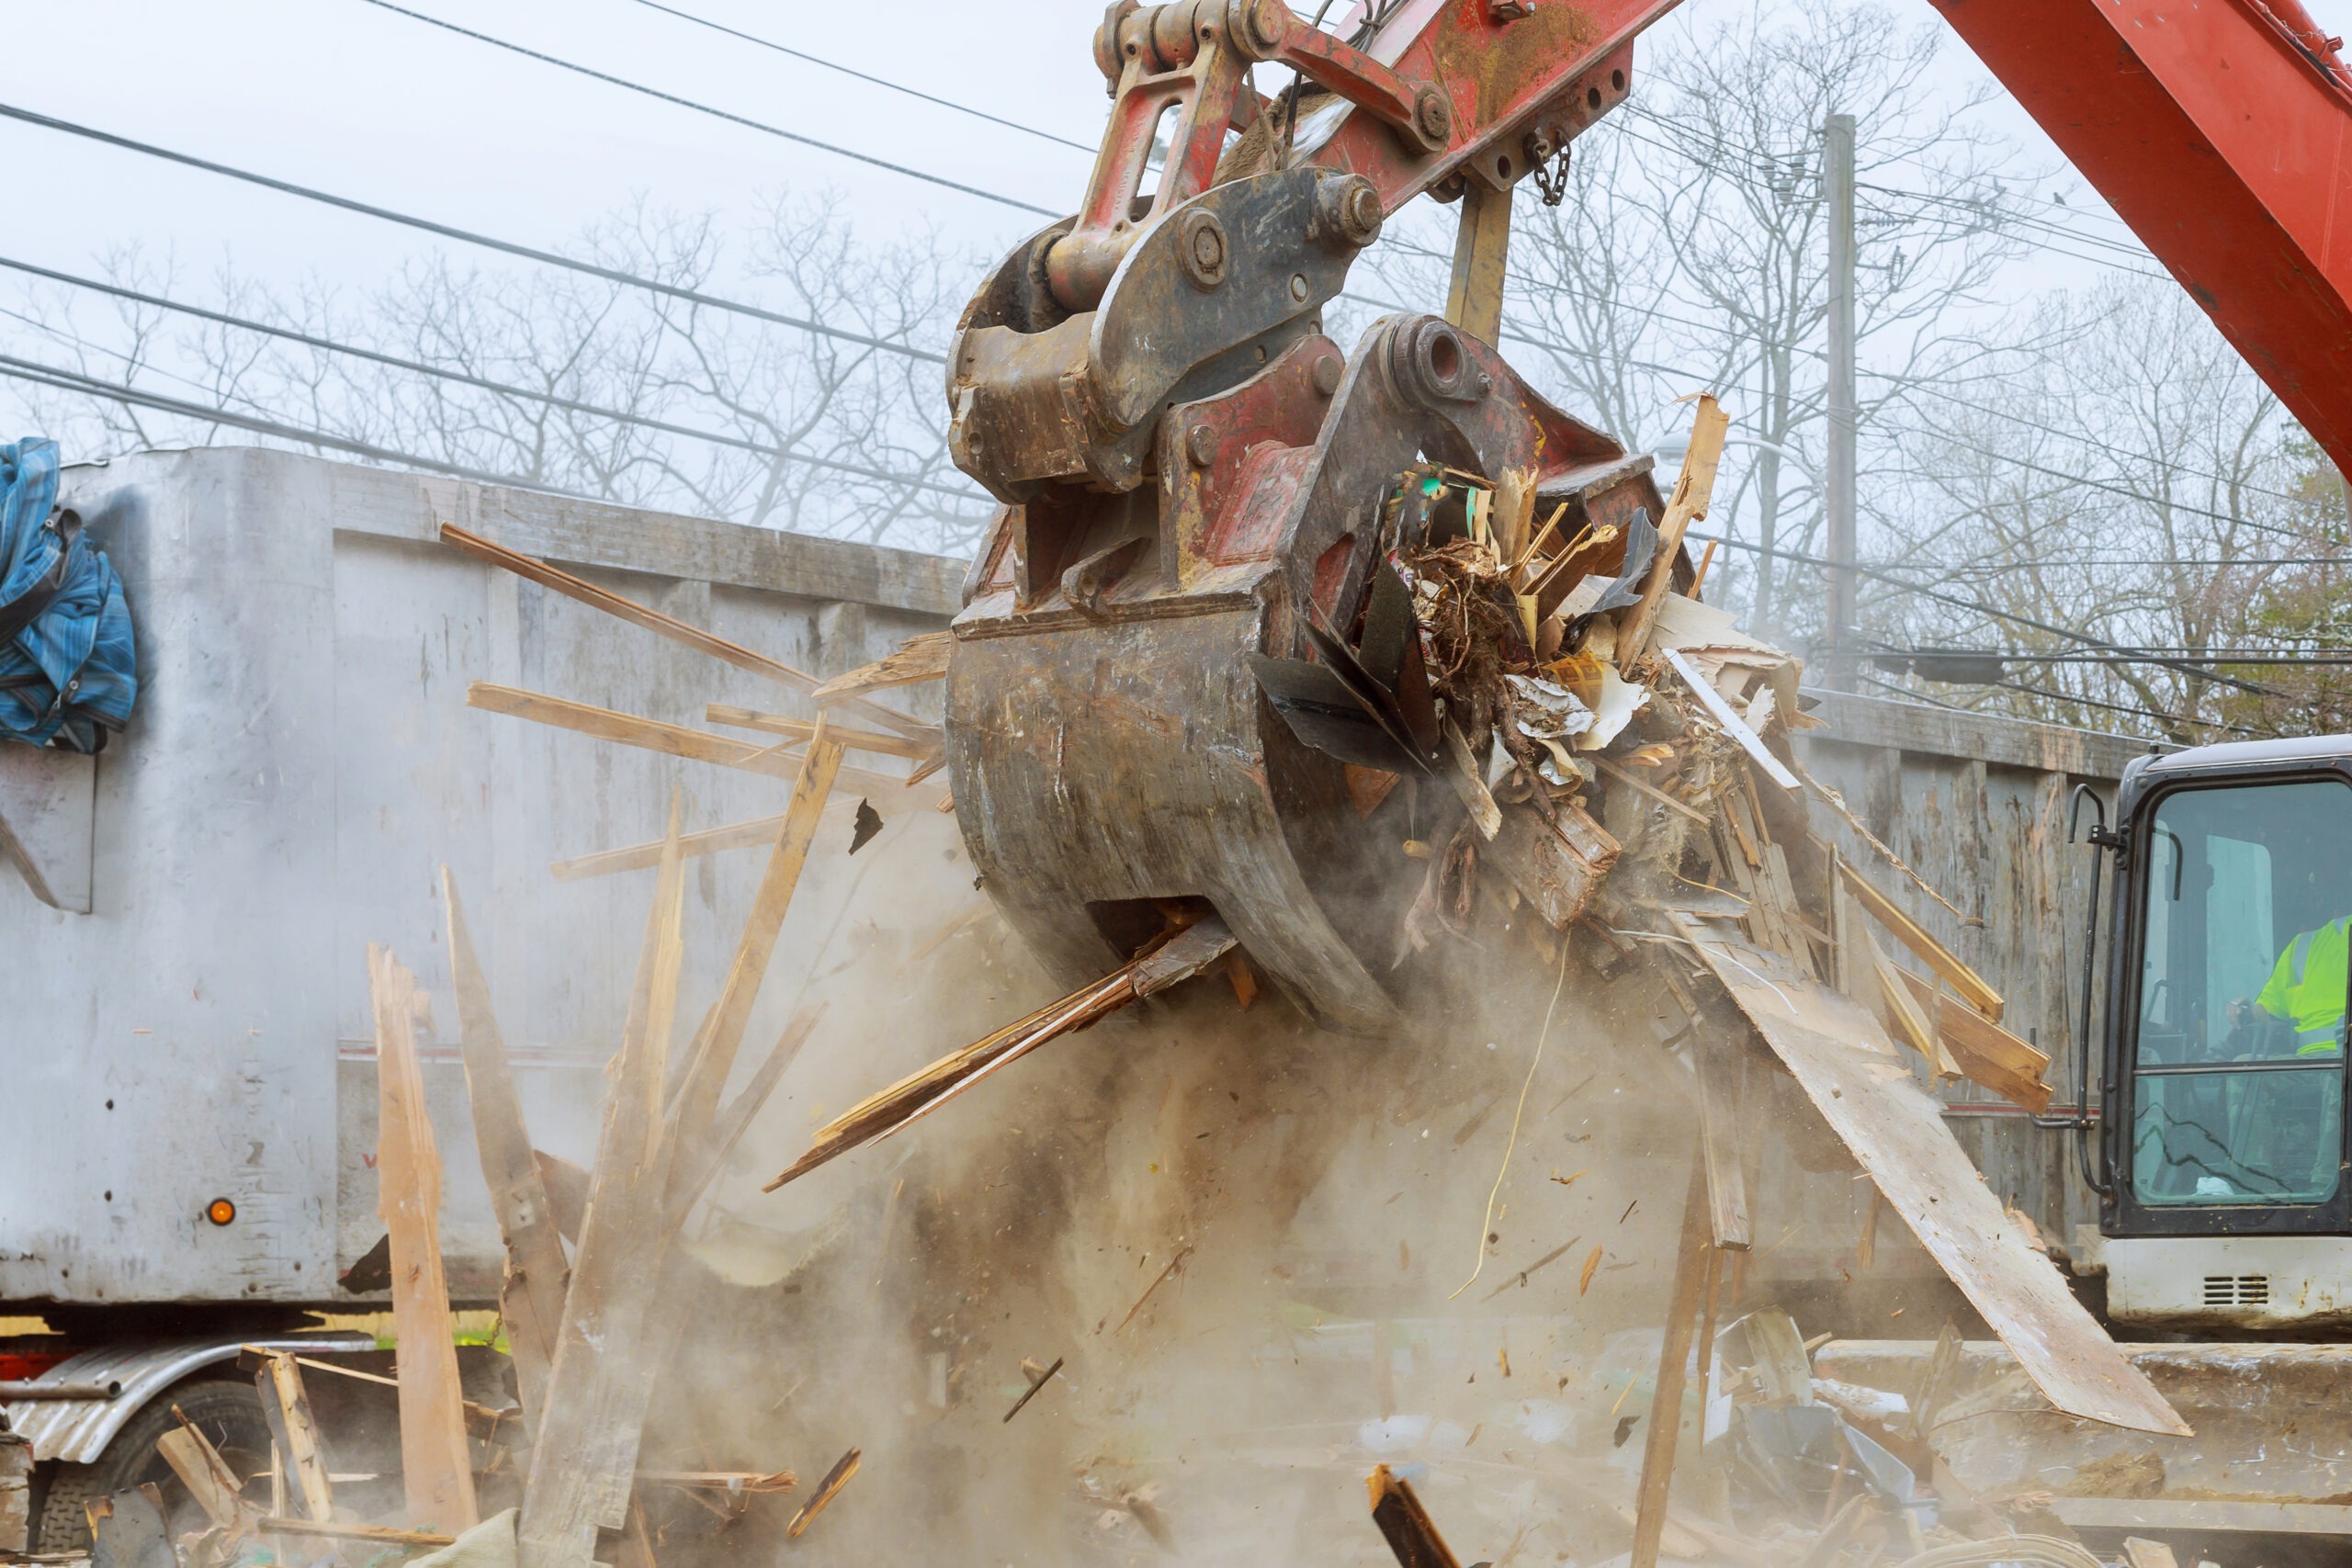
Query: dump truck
[[187, 911]]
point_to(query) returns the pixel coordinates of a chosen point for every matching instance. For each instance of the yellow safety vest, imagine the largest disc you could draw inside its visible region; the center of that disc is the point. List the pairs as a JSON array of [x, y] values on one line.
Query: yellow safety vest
[[2307, 986]]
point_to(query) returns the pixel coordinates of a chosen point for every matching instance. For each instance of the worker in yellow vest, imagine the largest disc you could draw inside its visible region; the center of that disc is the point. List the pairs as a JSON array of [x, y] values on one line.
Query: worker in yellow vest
[[2306, 989]]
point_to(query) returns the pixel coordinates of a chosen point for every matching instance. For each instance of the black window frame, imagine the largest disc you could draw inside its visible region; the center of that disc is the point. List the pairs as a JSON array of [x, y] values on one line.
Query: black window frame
[[2125, 1214]]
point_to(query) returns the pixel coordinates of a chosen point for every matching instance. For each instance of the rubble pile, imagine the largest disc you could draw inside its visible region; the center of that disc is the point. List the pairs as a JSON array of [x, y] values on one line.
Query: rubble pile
[[1594, 769]]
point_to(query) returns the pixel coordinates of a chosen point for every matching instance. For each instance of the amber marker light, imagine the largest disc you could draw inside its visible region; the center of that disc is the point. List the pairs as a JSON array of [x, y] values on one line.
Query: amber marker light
[[219, 1210]]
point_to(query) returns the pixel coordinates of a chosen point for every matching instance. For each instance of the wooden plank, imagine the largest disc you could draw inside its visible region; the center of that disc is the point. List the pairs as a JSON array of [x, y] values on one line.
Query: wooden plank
[[1720, 1062], [1847, 1067], [606, 1356], [653, 620], [1909, 1014], [672, 739], [296, 1431], [714, 1056], [1644, 788], [1411, 1534], [382, 1535], [1732, 724], [436, 1467], [917, 748], [530, 1299], [918, 660], [1692, 489], [1982, 1052], [1971, 985], [210, 1481], [1692, 1261], [756, 831], [689, 1176], [2198, 1514]]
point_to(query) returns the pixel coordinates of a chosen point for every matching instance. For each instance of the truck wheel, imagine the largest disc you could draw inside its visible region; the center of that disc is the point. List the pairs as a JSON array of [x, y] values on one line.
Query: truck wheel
[[226, 1410]]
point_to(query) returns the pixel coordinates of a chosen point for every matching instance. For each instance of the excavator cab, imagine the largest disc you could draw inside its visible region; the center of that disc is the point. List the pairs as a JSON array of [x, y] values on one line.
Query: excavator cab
[[2221, 1154]]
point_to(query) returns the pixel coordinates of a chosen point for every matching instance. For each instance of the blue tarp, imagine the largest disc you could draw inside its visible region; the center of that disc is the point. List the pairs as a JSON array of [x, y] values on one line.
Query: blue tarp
[[67, 672]]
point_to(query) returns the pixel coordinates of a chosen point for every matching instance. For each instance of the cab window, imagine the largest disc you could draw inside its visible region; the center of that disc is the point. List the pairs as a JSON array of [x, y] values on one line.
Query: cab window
[[2239, 1061]]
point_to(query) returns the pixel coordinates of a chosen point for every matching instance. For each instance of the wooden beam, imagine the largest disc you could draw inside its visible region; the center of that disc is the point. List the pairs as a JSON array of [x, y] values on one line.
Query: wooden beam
[[918, 749], [1732, 724], [1684, 1303], [1983, 1051], [287, 1408], [1406, 1526], [607, 1350], [530, 1300], [710, 841], [672, 739], [654, 621], [713, 1058], [436, 1464], [208, 1479], [1719, 1058], [1692, 489], [382, 1535], [1971, 985]]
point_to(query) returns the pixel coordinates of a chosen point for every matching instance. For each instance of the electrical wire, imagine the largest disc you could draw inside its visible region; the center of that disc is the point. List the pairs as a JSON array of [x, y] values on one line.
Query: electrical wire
[[714, 112], [448, 232], [462, 377], [1086, 147], [65, 380], [1978, 607]]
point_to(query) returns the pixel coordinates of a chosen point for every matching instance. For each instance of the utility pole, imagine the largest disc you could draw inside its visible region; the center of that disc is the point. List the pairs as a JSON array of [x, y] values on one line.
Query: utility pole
[[1837, 185]]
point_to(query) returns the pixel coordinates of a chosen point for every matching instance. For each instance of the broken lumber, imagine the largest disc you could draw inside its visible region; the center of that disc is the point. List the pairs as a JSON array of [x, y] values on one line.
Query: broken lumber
[[1720, 1138], [1040, 1380], [286, 1408], [1845, 1064], [710, 841], [586, 1454], [918, 749], [827, 1489], [1558, 865], [206, 1475], [1730, 721], [714, 1056], [1184, 955], [530, 1300], [653, 735], [1405, 1524], [690, 1175], [1694, 488], [919, 659], [1693, 1263], [1971, 985], [436, 1464], [382, 1535], [1984, 1052], [654, 621]]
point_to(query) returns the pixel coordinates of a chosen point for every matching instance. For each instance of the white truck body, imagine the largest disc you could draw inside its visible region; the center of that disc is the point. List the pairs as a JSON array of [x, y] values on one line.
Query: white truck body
[[187, 1013]]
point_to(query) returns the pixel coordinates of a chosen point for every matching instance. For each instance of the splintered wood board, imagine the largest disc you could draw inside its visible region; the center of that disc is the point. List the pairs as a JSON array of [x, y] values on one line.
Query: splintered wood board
[[1857, 1081]]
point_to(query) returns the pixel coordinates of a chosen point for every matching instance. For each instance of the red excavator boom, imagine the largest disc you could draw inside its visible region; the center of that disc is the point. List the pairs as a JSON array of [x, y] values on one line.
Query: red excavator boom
[[2221, 132]]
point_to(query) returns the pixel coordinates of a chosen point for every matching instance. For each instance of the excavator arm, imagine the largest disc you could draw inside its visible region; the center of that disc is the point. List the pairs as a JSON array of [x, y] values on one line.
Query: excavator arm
[[1174, 647]]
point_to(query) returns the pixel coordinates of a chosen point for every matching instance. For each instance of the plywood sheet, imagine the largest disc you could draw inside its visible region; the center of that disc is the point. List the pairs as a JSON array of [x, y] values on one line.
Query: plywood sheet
[[1854, 1077]]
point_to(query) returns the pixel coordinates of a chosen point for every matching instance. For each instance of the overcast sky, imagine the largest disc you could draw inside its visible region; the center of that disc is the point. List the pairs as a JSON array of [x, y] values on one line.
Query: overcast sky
[[348, 97]]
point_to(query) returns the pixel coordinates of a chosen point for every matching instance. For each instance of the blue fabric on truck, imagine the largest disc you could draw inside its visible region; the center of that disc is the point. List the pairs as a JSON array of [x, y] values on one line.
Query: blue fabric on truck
[[68, 667]]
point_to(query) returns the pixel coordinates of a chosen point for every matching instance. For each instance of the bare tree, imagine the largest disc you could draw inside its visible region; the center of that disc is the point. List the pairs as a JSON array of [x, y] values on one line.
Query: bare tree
[[559, 378]]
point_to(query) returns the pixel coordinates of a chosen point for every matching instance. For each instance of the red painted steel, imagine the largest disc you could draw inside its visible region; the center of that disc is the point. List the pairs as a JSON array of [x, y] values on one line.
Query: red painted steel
[[2221, 130]]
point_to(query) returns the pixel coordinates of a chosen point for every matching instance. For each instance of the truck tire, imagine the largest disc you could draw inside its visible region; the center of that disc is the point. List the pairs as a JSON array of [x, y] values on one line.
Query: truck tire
[[226, 1410]]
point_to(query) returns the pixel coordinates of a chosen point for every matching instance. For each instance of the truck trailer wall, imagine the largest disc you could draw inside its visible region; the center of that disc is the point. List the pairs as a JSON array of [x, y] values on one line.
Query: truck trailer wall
[[301, 765]]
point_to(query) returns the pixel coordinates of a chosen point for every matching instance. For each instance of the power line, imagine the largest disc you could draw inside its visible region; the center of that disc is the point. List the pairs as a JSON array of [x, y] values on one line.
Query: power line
[[90, 386], [714, 112], [2324, 658], [1982, 609], [507, 247], [1087, 147], [465, 379]]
